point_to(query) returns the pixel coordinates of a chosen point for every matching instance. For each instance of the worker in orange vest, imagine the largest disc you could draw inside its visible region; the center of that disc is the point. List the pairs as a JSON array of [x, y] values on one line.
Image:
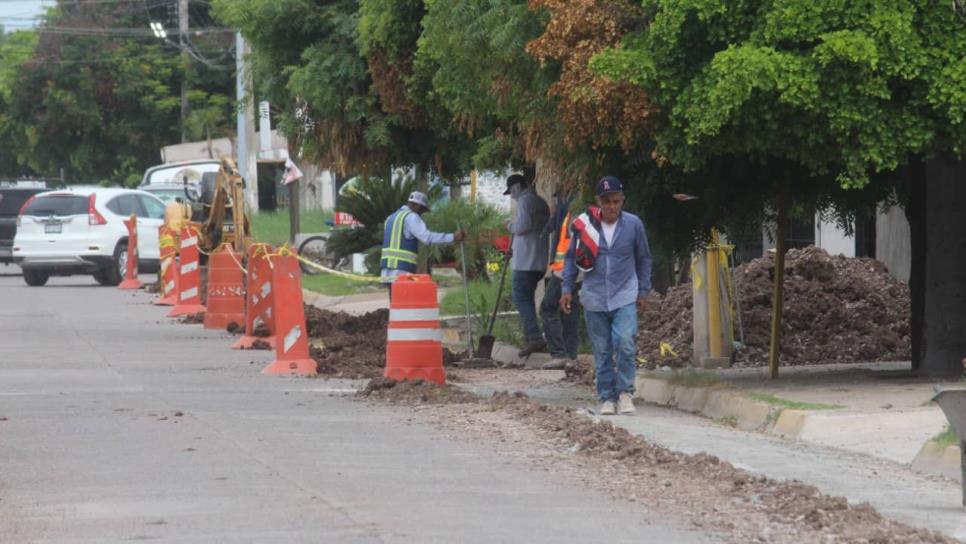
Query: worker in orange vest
[[560, 329]]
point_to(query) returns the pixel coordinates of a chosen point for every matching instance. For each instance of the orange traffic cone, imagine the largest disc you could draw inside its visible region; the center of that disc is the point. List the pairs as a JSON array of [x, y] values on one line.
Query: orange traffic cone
[[189, 275], [168, 274], [291, 342], [226, 289], [414, 340], [258, 297], [131, 270]]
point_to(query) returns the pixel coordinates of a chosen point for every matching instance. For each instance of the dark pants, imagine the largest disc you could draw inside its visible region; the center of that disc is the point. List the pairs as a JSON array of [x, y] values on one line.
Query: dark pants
[[524, 287], [561, 330]]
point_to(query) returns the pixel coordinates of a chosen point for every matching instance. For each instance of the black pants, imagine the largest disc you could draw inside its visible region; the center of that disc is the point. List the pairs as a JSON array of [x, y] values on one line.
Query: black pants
[[560, 329]]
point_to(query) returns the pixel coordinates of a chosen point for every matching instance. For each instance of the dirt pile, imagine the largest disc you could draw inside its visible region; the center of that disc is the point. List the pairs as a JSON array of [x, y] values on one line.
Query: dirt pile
[[192, 319], [415, 392], [347, 346], [837, 310]]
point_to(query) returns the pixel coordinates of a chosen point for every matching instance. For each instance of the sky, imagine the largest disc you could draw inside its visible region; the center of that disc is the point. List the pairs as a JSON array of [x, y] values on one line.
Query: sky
[[17, 14]]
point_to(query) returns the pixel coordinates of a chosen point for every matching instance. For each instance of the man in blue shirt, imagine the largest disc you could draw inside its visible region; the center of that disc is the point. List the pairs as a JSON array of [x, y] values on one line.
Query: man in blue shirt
[[404, 230], [613, 253]]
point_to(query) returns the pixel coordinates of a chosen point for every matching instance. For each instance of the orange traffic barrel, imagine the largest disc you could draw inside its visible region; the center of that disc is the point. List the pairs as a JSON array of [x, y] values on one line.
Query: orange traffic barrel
[[414, 339], [226, 289]]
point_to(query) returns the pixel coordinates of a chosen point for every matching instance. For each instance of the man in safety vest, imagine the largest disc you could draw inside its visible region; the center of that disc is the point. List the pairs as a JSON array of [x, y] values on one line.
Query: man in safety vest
[[561, 329], [404, 230]]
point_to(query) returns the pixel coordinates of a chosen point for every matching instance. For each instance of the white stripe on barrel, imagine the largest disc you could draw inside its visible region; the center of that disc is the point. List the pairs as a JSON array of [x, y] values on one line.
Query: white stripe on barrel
[[188, 293], [188, 242], [189, 267], [414, 314], [414, 335]]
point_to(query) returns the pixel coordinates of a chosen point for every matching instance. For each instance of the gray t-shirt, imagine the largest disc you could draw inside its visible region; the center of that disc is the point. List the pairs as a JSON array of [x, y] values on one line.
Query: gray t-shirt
[[530, 238]]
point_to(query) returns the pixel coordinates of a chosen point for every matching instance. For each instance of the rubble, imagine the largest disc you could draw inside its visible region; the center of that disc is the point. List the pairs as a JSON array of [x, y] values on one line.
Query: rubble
[[837, 310]]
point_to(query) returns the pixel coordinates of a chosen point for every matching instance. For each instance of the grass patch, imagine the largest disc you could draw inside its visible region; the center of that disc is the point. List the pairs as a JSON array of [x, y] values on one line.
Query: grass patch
[[727, 421], [947, 437], [332, 285], [792, 404], [482, 293], [694, 378], [273, 227]]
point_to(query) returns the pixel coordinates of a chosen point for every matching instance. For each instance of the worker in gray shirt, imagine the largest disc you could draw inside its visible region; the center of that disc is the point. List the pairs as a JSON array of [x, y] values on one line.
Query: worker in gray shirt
[[529, 262]]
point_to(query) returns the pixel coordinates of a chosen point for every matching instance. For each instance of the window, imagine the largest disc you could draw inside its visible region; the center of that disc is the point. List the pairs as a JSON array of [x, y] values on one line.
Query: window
[[58, 205], [125, 205], [154, 207]]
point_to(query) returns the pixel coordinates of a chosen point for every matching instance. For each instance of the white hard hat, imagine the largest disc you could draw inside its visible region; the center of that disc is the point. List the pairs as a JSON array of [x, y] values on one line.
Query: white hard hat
[[417, 197]]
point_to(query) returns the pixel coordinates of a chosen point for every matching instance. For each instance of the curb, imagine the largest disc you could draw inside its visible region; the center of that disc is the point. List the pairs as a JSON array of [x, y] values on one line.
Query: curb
[[731, 406], [716, 402], [936, 458]]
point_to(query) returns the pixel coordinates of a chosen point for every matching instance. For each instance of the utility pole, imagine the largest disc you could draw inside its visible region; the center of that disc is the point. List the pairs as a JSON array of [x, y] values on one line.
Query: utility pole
[[183, 42], [246, 148]]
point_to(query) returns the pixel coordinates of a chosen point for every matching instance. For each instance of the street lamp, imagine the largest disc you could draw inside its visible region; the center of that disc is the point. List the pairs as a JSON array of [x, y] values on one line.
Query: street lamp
[[158, 30]]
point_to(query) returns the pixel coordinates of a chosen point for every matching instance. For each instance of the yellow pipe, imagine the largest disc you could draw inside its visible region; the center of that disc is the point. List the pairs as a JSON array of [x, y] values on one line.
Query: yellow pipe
[[714, 297]]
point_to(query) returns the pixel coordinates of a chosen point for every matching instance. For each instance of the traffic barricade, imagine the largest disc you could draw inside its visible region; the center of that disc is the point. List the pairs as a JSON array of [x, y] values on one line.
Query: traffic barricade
[[414, 339], [189, 275], [291, 334], [258, 297], [131, 268], [226, 289]]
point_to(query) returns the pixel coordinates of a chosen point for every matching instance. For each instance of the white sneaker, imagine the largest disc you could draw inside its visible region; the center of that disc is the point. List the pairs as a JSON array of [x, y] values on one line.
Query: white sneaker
[[607, 408], [625, 403]]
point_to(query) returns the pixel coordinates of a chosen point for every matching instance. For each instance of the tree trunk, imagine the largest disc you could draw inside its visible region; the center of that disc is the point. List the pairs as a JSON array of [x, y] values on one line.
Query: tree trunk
[[944, 325], [915, 209], [774, 352]]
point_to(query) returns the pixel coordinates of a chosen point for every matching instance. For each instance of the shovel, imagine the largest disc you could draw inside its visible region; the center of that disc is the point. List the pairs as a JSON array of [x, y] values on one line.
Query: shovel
[[485, 351]]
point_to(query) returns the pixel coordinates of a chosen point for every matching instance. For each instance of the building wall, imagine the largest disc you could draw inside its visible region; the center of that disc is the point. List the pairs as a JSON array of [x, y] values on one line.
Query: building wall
[[830, 237]]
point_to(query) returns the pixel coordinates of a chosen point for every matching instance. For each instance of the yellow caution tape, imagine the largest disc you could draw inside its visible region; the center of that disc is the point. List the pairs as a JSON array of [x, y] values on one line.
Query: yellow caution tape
[[667, 350], [287, 251]]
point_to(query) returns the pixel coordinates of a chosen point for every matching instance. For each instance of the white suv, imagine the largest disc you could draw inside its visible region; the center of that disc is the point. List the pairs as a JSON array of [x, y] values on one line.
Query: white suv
[[81, 230]]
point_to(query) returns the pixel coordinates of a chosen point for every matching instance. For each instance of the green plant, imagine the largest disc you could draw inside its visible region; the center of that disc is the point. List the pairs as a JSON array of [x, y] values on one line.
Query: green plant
[[947, 437], [370, 202], [482, 223]]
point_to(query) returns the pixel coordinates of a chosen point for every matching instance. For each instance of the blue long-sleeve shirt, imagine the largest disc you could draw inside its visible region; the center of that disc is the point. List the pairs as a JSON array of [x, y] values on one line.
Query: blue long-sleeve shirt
[[621, 273]]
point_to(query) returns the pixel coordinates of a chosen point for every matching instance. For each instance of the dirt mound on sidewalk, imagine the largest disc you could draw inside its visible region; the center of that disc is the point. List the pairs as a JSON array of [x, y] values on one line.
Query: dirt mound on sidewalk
[[347, 346], [837, 310], [415, 392]]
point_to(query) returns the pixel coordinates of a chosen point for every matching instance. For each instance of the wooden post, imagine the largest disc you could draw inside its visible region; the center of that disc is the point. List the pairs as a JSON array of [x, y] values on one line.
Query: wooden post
[[778, 296], [295, 225]]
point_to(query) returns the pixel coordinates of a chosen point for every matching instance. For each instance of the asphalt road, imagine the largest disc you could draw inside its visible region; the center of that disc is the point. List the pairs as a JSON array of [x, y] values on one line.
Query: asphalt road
[[117, 425]]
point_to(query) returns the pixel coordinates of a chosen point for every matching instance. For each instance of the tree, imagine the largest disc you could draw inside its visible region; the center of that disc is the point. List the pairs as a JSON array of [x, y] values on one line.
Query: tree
[[99, 104], [808, 91]]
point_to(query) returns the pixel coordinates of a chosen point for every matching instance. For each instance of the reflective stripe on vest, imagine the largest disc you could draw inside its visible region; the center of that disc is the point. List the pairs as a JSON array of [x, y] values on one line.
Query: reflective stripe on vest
[[562, 245], [394, 255]]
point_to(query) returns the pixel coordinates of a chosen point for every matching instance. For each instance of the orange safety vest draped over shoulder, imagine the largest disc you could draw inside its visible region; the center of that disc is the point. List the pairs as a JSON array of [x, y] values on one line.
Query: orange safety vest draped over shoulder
[[562, 245]]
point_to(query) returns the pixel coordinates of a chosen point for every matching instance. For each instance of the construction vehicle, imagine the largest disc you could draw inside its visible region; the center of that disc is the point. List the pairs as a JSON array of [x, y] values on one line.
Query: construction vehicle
[[215, 205]]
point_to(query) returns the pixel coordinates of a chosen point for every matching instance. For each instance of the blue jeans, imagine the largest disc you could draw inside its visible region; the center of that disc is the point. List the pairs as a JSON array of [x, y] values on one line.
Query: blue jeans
[[612, 336], [561, 329], [524, 286]]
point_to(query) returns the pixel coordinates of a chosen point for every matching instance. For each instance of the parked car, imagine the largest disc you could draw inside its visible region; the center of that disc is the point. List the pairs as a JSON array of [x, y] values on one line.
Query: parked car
[[81, 230], [13, 194]]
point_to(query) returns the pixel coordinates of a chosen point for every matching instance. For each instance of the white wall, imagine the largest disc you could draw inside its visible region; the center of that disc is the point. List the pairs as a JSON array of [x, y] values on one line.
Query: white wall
[[831, 238]]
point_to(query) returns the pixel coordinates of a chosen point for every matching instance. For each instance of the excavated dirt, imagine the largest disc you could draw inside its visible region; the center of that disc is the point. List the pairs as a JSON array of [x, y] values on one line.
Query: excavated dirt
[[234, 328], [260, 344], [712, 495], [415, 392], [192, 319], [347, 346], [837, 310], [152, 288]]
